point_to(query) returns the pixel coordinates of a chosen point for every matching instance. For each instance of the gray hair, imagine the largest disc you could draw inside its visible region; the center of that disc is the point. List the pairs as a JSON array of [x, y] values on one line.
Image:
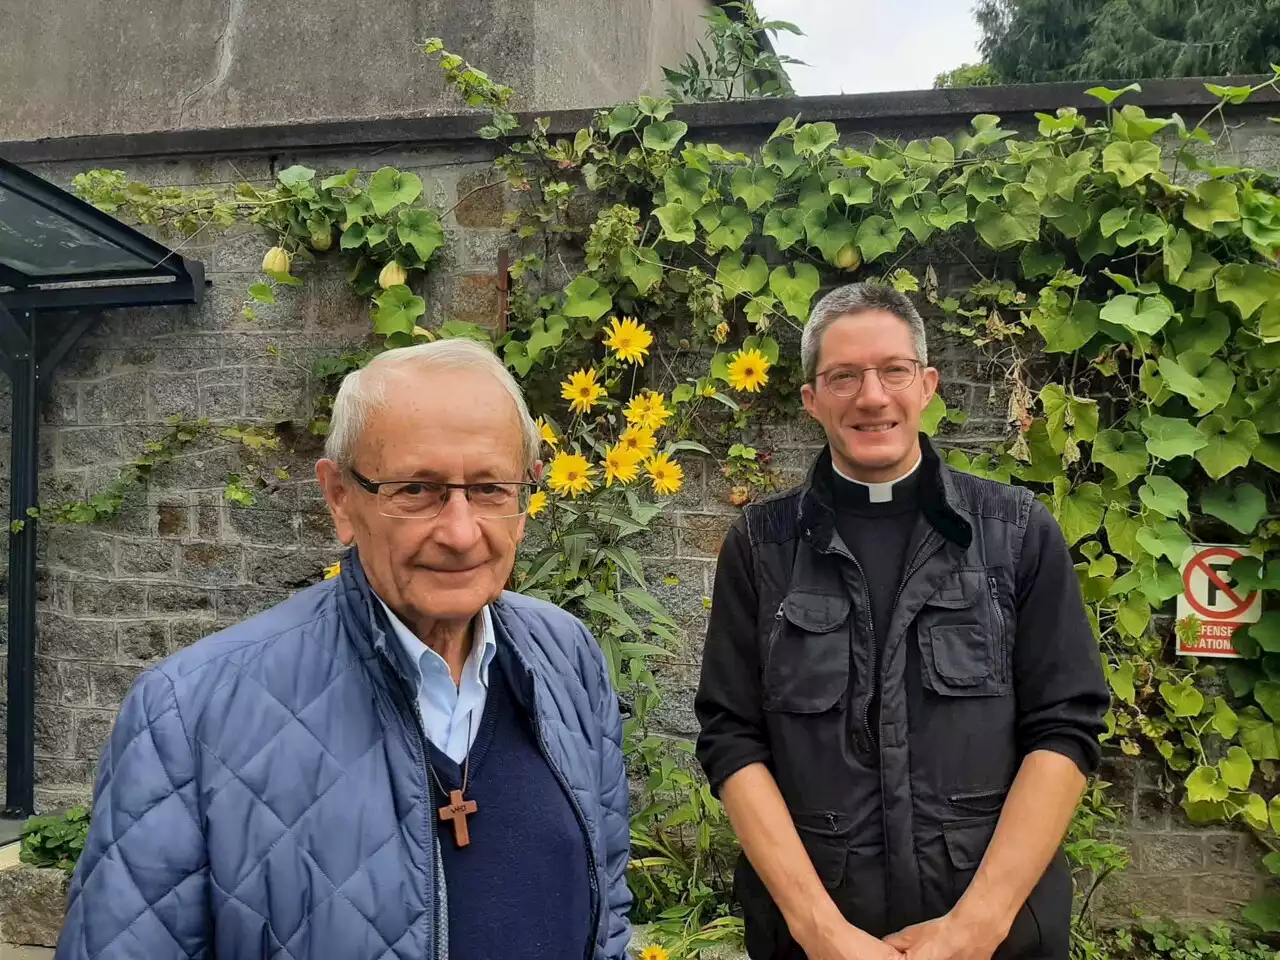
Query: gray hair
[[852, 299], [365, 390]]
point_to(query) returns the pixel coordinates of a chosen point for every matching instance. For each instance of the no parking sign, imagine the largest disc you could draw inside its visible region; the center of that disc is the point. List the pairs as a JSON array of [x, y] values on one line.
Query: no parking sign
[[1210, 595]]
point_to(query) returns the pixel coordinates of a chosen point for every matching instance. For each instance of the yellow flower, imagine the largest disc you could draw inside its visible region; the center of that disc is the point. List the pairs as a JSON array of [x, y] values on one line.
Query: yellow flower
[[629, 340], [654, 953], [666, 474], [332, 571], [582, 391], [748, 370], [648, 410], [548, 435], [570, 473], [639, 440], [537, 502], [721, 333], [620, 463]]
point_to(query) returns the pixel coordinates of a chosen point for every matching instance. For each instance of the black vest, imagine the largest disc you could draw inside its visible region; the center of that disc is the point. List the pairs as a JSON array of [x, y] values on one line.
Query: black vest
[[944, 748]]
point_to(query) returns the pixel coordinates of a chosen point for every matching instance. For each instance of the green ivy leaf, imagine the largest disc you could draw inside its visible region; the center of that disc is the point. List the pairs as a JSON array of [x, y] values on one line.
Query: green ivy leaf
[[1177, 254], [1134, 615], [262, 293], [759, 310], [1186, 701], [856, 191], [686, 185], [398, 310], [1264, 913], [1068, 417], [1164, 539], [1079, 511], [739, 279], [389, 188], [1204, 335], [829, 231], [1131, 162], [1109, 96], [642, 266], [795, 290], [623, 118], [1200, 272], [932, 416], [914, 216], [1038, 262], [814, 138], [421, 230], [781, 155], [1243, 506], [732, 226], [1121, 680], [1214, 201], [1236, 768], [1207, 391], [1169, 438], [754, 186], [585, 298], [1267, 453], [885, 170], [877, 236], [785, 225], [1124, 454], [1225, 722], [1149, 229], [1267, 631], [1065, 330], [1248, 286], [1122, 533], [1229, 447], [677, 223], [1267, 694], [1204, 784], [663, 135], [1273, 813], [1164, 496], [1141, 315], [1017, 221], [547, 333], [953, 212]]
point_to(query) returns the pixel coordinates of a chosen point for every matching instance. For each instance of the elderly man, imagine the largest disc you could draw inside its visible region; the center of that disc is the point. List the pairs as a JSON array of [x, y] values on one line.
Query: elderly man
[[901, 694], [402, 762]]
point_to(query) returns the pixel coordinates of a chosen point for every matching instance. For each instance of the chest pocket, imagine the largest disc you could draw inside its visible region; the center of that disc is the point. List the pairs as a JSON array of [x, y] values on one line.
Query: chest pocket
[[964, 640], [807, 670]]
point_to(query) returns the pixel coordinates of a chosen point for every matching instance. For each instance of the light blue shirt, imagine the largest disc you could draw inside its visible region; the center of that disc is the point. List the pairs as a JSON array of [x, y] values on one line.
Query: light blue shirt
[[450, 712]]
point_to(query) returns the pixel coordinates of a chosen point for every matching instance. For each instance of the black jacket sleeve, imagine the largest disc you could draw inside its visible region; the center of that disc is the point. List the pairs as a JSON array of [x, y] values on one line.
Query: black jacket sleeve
[[1062, 693], [729, 702]]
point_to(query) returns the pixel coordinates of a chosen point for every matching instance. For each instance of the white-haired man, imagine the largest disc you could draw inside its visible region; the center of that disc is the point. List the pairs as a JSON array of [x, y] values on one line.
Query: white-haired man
[[404, 761]]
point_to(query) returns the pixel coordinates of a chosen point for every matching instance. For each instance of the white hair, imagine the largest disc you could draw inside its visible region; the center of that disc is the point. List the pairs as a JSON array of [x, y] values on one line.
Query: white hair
[[855, 298], [364, 391]]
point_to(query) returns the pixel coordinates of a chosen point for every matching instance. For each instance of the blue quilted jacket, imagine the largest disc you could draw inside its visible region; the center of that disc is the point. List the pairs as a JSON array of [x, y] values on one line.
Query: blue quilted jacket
[[264, 792]]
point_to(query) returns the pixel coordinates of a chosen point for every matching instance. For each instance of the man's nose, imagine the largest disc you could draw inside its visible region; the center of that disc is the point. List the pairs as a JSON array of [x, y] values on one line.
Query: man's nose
[[873, 393], [456, 526]]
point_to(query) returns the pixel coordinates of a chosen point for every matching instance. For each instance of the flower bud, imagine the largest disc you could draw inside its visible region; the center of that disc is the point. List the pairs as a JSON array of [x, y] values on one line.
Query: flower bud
[[276, 260], [392, 275]]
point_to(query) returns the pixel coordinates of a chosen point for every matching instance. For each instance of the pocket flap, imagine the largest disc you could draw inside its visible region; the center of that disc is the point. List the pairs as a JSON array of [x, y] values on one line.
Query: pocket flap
[[960, 654], [816, 612], [967, 840], [958, 590], [826, 839]]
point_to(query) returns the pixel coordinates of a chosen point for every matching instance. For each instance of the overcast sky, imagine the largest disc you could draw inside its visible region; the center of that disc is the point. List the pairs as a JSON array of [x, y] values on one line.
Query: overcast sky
[[860, 46]]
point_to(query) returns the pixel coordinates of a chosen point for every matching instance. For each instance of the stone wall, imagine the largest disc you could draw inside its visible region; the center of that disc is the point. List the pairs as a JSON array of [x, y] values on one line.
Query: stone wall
[[85, 68], [178, 562]]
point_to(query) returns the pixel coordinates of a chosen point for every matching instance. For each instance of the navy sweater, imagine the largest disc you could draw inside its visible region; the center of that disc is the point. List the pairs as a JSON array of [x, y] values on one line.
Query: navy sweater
[[521, 889]]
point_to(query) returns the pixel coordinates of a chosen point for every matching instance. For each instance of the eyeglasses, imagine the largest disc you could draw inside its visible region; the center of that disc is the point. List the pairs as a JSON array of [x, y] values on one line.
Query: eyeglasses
[[896, 376], [425, 499]]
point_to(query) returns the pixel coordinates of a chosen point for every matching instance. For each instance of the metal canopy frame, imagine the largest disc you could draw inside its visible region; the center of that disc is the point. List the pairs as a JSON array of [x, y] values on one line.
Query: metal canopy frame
[[29, 354]]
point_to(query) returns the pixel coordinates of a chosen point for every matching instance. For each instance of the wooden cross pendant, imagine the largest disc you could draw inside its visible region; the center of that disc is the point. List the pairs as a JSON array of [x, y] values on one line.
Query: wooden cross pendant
[[458, 810]]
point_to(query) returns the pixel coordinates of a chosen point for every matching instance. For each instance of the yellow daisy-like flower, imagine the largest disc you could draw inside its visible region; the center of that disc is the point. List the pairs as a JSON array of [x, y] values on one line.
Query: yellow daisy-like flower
[[570, 473], [629, 339], [666, 474], [648, 410], [748, 370], [620, 463], [654, 953], [639, 440], [582, 391], [537, 502], [548, 435], [332, 571]]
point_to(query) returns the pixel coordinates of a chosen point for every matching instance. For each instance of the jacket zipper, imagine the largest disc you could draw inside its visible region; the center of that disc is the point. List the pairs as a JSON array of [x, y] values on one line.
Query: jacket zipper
[[582, 824], [995, 601], [412, 709]]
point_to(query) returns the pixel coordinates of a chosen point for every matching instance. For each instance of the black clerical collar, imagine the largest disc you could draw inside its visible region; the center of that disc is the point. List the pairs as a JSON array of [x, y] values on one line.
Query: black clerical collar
[[885, 492]]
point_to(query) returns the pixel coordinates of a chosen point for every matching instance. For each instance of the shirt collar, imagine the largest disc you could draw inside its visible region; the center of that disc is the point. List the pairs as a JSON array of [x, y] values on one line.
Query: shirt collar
[[878, 492], [428, 661]]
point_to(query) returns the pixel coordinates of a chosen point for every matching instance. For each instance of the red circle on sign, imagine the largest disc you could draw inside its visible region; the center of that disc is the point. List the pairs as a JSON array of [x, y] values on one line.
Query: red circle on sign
[[1198, 563]]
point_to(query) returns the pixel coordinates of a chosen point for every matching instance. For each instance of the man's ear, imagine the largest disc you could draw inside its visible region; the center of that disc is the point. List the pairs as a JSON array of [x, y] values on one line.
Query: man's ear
[[536, 472], [810, 399], [338, 497], [929, 378]]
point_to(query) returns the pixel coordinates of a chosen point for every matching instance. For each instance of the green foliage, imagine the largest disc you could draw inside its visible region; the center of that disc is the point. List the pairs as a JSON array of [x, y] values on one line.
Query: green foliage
[[738, 64], [1162, 940], [1033, 41], [967, 75], [56, 839]]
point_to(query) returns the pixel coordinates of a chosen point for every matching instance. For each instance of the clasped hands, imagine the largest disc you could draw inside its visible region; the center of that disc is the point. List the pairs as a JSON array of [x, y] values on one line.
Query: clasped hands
[[950, 937]]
